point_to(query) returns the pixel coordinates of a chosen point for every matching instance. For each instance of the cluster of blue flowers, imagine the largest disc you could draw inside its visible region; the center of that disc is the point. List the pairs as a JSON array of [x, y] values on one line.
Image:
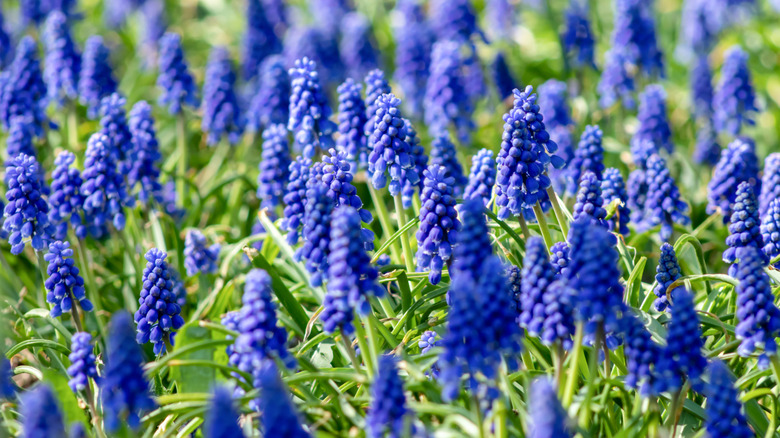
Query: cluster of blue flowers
[[439, 222], [82, 361], [158, 316], [198, 255], [64, 284], [26, 214]]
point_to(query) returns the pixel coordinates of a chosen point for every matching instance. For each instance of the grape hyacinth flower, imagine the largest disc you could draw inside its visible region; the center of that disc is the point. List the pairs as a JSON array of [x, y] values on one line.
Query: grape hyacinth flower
[[178, 88], [26, 214], [198, 257], [144, 170], [614, 189], [23, 92], [352, 122], [737, 164], [439, 223], [6, 49], [320, 46], [124, 389], [644, 360], [734, 101], [420, 159], [578, 40], [63, 60], [7, 386], [295, 198], [547, 416], [453, 20], [636, 188], [770, 182], [274, 166], [616, 82], [745, 224], [526, 150], [20, 138], [41, 414], [155, 23], [279, 418], [634, 35], [559, 257], [96, 80], [444, 154], [158, 316], [589, 156], [667, 272], [82, 361], [702, 21], [103, 188], [482, 177], [64, 284], [388, 409], [473, 246], [701, 88], [759, 318], [309, 110], [427, 341], [113, 124], [66, 200], [663, 204], [707, 150], [357, 48], [389, 151], [479, 299], [502, 76], [221, 110], [271, 103], [221, 416], [536, 277], [351, 278], [447, 102], [653, 121], [414, 39], [553, 99], [376, 86], [589, 200], [684, 342], [725, 415], [316, 232], [259, 41], [770, 229]]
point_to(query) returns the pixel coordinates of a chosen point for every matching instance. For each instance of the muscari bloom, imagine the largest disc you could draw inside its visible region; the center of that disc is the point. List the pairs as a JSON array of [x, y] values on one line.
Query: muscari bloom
[[636, 188], [588, 157], [536, 277], [737, 164], [274, 166], [501, 17], [770, 182], [735, 100], [684, 342], [198, 257], [667, 272], [358, 50], [707, 149], [259, 41], [279, 418], [502, 77], [414, 39], [634, 35], [26, 214], [144, 170], [309, 110], [320, 46], [770, 229], [559, 257], [221, 416], [725, 415], [701, 88], [556, 111], [23, 92], [351, 278], [473, 244], [482, 177], [5, 42], [616, 82], [479, 300], [221, 110], [745, 224], [387, 410], [439, 223], [526, 150], [759, 318], [389, 151], [376, 86], [295, 198], [352, 122], [447, 101], [82, 361], [589, 200], [64, 284], [427, 341], [444, 154], [124, 389], [613, 188], [103, 188], [41, 414], [113, 124], [7, 386], [578, 40], [20, 138], [65, 200], [702, 21], [644, 360], [420, 159], [653, 122], [63, 60], [453, 19], [316, 232], [158, 316], [178, 88], [271, 103], [547, 418], [96, 80], [663, 204]]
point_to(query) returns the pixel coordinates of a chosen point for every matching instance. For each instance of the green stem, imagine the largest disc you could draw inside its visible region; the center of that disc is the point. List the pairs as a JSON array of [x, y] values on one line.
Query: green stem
[[594, 361], [574, 365], [407, 249], [92, 290], [351, 353], [558, 211], [42, 267], [360, 334], [384, 219], [480, 417], [182, 189], [523, 226], [373, 341], [543, 225]]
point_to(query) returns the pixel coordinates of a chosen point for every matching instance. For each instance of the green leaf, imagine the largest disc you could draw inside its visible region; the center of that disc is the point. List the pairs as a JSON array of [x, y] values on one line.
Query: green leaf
[[193, 378], [68, 401], [397, 235], [36, 343]]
